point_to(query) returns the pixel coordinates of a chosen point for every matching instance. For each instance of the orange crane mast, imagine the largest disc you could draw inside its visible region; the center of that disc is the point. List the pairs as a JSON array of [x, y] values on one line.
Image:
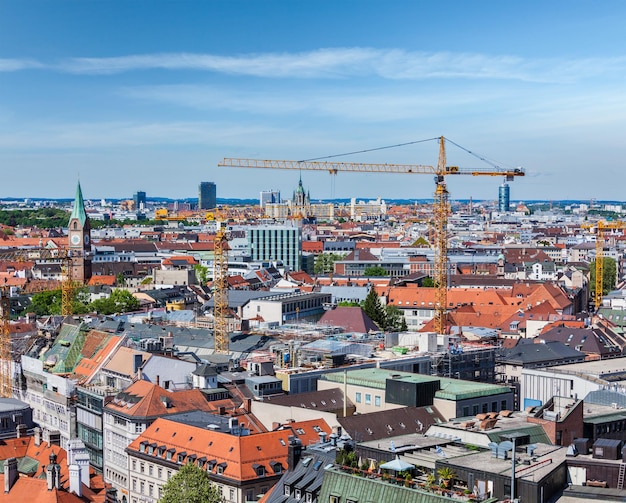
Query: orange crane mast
[[598, 228], [441, 205]]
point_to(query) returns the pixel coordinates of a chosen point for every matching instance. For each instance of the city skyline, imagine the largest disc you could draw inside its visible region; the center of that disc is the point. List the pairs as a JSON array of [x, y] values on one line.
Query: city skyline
[[152, 95]]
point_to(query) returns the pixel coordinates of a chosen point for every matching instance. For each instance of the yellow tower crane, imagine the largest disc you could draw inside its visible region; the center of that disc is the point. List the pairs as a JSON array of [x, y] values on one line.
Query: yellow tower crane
[[441, 206], [6, 358], [220, 285], [599, 228]]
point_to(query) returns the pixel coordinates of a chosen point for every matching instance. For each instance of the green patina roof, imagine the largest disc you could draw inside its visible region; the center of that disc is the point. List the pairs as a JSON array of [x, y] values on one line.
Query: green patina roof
[[451, 389], [366, 490], [25, 465], [536, 433], [454, 389], [78, 211], [606, 418], [375, 377]]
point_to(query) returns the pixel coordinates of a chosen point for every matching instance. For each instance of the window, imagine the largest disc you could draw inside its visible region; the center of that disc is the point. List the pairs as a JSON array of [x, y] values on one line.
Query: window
[[160, 472], [333, 499], [141, 487], [141, 467], [368, 399], [485, 408], [287, 490], [358, 397], [377, 401]]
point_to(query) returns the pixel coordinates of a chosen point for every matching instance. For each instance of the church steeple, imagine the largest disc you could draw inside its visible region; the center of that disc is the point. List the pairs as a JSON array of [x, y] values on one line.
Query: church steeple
[[80, 239], [78, 211]]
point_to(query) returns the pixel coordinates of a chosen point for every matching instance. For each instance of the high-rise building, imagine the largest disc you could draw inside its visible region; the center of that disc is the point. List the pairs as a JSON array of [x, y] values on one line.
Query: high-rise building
[[140, 200], [503, 198], [269, 196], [207, 196], [276, 243]]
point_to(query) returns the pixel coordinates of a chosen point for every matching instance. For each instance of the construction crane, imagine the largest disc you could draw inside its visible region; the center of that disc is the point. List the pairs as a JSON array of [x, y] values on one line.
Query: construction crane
[[6, 358], [599, 228], [220, 285], [441, 206]]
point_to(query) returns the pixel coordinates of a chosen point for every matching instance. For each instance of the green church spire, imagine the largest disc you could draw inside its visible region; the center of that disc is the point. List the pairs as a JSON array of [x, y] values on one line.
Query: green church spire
[[78, 211]]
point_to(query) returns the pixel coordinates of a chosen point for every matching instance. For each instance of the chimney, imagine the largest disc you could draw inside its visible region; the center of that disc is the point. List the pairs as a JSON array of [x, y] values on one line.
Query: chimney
[[21, 430], [137, 361], [10, 473], [37, 436], [75, 483], [57, 476], [294, 451], [158, 380], [50, 471]]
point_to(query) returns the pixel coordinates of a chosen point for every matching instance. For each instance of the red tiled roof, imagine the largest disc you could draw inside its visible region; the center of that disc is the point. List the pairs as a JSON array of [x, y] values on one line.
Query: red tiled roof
[[109, 280], [238, 453], [352, 319], [149, 400]]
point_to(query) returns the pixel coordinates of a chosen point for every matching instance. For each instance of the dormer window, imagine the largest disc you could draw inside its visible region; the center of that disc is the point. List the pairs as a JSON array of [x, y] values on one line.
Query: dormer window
[[181, 457], [170, 453], [287, 490], [221, 467], [276, 467], [142, 446], [259, 470]]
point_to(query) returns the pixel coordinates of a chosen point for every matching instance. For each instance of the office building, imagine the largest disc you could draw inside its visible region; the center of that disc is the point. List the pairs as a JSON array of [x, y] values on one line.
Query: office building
[[504, 198], [276, 243], [207, 196], [140, 200], [269, 196]]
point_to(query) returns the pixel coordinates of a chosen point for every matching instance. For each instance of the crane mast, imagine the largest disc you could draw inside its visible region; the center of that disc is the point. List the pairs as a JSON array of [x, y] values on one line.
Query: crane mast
[[441, 205], [220, 289], [6, 368], [599, 228]]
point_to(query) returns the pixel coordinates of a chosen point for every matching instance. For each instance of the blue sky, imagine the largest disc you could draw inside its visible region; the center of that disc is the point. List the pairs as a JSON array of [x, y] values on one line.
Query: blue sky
[[150, 95]]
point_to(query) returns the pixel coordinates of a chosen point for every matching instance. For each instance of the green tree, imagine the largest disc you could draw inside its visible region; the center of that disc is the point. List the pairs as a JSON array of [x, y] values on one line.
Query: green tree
[[374, 270], [120, 301], [202, 273], [428, 282], [609, 275], [374, 309], [49, 302], [393, 318], [190, 485], [325, 263]]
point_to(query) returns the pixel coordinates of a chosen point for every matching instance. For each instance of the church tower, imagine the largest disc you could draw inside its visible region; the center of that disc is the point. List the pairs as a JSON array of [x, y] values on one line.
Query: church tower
[[80, 239]]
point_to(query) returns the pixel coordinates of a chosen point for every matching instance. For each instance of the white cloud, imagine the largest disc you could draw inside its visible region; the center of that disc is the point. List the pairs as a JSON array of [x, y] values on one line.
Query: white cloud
[[15, 65], [394, 64]]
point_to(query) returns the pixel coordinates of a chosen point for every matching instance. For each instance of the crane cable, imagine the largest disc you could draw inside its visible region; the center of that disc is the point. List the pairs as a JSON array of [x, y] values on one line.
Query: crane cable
[[482, 158]]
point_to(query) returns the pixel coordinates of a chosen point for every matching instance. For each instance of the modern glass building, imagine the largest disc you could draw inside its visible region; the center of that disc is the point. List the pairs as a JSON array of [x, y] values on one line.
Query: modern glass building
[[504, 198], [207, 196]]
